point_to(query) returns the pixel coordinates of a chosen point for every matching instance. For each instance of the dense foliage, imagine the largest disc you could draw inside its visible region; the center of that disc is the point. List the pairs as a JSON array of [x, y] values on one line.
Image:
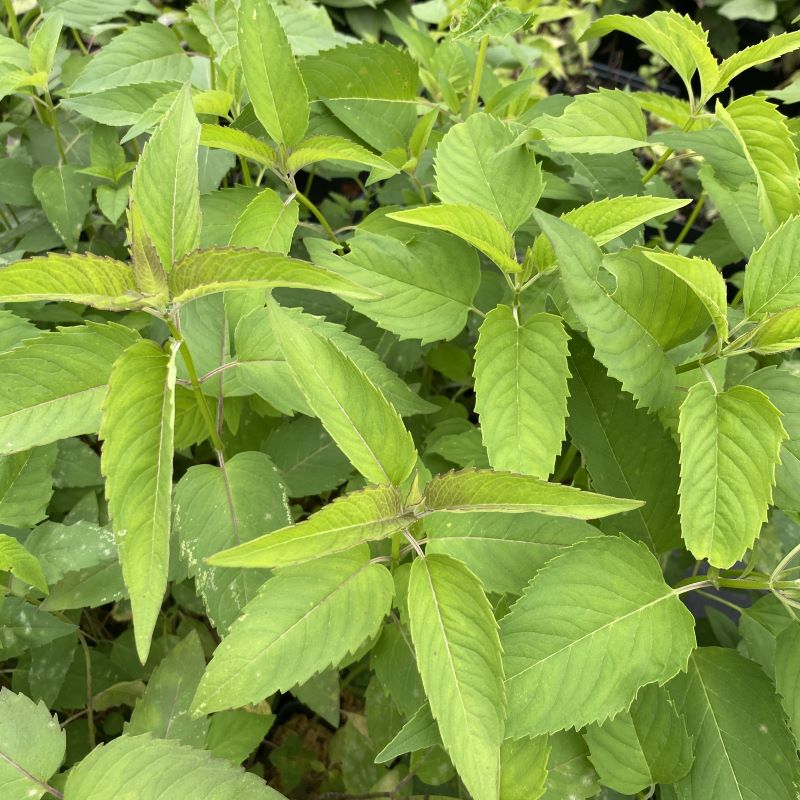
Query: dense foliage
[[394, 404]]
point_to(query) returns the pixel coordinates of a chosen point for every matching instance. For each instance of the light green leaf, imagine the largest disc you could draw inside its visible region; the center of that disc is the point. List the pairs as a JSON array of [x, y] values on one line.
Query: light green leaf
[[72, 278], [268, 223], [574, 619], [137, 429], [474, 225], [336, 148], [776, 46], [730, 443], [14, 330], [787, 678], [146, 53], [503, 550], [478, 164], [44, 43], [123, 105], [126, 766], [302, 621], [16, 559], [163, 710], [24, 626], [523, 768], [703, 278], [505, 492], [569, 771], [605, 122], [54, 384], [26, 486], [772, 277], [742, 747], [521, 393], [65, 195], [459, 658], [354, 411], [645, 745], [766, 140], [626, 451], [219, 507], [371, 88], [273, 80], [237, 733], [220, 269], [427, 284], [369, 515], [778, 332], [605, 220], [631, 354], [237, 141], [166, 183], [32, 746], [419, 733]]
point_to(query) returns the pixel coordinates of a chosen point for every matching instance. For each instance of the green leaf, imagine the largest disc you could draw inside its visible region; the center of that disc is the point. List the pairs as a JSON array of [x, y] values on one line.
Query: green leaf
[[16, 559], [427, 284], [123, 105], [219, 507], [776, 46], [54, 384], [146, 53], [14, 330], [72, 278], [730, 443], [605, 122], [478, 164], [631, 354], [627, 452], [371, 88], [766, 140], [26, 486], [165, 183], [273, 80], [163, 710], [335, 148], [126, 765], [24, 626], [65, 195], [459, 658], [572, 620], [772, 277], [237, 141], [268, 223], [645, 745], [505, 492], [236, 734], [503, 550], [44, 43], [220, 269], [569, 771], [354, 411], [778, 332], [474, 225], [137, 429], [32, 746], [521, 393], [419, 733], [605, 220], [302, 621], [369, 515], [787, 679], [742, 747]]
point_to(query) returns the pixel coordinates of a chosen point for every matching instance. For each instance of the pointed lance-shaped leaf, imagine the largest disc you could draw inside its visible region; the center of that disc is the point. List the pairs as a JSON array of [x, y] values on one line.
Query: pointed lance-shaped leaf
[[508, 493], [274, 83], [600, 599], [303, 621], [459, 658], [148, 271], [166, 183], [730, 444], [220, 269], [354, 411], [369, 515], [74, 278], [237, 141], [138, 430]]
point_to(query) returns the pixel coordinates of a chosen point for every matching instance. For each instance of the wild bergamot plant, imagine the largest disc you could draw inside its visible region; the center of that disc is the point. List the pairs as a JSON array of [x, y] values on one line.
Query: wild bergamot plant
[[454, 444]]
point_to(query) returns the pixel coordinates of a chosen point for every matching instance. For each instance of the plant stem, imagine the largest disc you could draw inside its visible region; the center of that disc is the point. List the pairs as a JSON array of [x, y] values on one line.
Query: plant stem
[[566, 463], [698, 207], [54, 125], [475, 88], [81, 46], [657, 165], [13, 23], [87, 657], [198, 392], [318, 214]]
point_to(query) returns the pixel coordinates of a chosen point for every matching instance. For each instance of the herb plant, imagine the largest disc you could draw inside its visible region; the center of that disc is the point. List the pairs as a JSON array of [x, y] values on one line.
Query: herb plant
[[353, 381]]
